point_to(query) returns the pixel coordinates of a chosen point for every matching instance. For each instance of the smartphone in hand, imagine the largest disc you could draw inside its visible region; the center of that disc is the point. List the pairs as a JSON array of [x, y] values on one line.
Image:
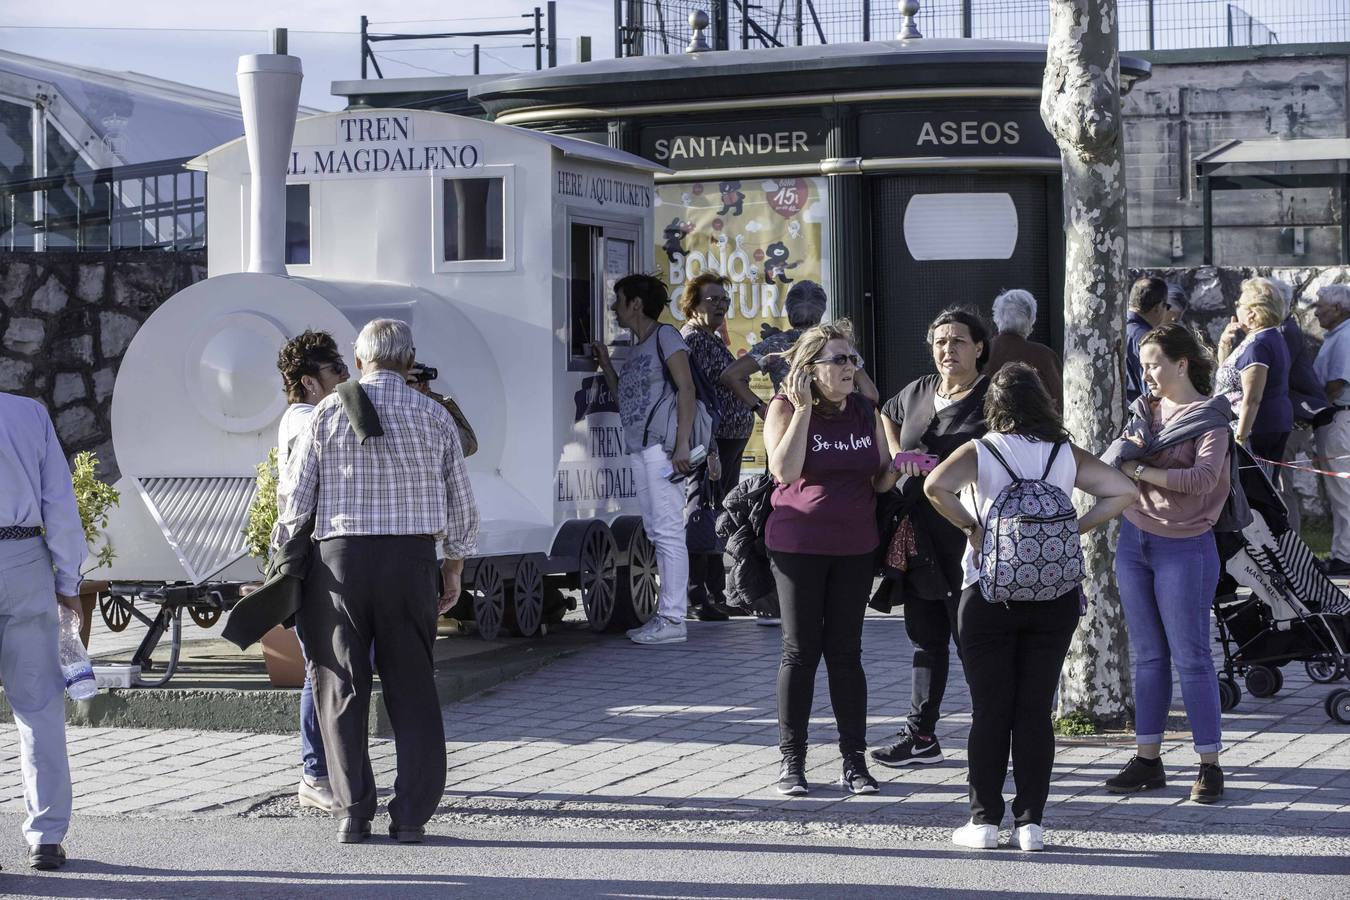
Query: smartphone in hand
[[926, 462]]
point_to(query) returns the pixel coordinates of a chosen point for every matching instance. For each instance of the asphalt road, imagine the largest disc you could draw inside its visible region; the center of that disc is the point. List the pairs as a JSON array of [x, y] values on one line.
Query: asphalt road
[[524, 857]]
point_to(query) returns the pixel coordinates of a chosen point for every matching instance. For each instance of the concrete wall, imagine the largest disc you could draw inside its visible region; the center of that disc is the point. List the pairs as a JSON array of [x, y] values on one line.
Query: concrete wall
[[1199, 99], [66, 320], [1213, 293]]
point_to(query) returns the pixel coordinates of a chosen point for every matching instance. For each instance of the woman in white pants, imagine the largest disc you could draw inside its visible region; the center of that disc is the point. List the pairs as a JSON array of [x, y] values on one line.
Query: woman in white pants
[[657, 365]]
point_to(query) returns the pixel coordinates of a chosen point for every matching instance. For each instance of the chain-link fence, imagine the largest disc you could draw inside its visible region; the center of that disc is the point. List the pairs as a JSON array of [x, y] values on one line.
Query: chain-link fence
[[662, 26]]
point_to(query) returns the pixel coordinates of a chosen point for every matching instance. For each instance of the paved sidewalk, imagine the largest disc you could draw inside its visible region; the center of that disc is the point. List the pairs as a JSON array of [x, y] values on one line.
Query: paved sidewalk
[[684, 737]]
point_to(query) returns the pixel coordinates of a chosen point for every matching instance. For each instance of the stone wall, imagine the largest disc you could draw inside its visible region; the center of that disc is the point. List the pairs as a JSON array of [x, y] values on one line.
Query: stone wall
[[65, 322], [1213, 293]]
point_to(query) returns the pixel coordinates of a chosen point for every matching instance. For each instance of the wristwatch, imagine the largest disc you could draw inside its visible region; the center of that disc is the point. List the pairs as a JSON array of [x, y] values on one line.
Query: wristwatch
[[1138, 471], [968, 530]]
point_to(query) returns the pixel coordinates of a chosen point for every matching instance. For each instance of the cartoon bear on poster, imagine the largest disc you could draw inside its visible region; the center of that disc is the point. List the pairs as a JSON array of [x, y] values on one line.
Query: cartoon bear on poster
[[733, 200], [776, 263]]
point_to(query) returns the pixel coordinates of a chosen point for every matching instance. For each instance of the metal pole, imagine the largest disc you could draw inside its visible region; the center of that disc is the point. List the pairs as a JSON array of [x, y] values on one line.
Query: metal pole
[[553, 34], [618, 29], [1229, 10], [1207, 202], [797, 21], [967, 20], [38, 123], [538, 41], [475, 59], [1150, 24], [1345, 220], [365, 48], [867, 20]]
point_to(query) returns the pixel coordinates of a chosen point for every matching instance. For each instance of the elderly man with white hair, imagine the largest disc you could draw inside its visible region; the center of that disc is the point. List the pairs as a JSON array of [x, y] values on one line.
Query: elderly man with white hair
[[1014, 317], [381, 493], [1332, 366]]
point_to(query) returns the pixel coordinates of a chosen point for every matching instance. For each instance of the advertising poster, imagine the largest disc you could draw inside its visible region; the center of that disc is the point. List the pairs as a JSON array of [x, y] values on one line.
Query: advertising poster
[[764, 235]]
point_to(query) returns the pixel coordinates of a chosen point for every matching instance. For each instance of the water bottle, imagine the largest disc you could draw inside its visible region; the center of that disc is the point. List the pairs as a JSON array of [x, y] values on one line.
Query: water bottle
[[75, 665]]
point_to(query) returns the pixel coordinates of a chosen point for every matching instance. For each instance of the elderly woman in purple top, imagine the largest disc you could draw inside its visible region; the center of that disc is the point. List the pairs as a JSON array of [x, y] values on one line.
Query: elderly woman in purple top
[[828, 452], [1254, 371]]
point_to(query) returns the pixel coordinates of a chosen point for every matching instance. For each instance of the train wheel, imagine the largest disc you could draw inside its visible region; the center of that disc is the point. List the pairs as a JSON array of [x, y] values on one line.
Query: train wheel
[[639, 580], [527, 597], [489, 600], [203, 616], [1324, 671], [1338, 706], [1262, 681], [597, 573], [1230, 695], [116, 612]]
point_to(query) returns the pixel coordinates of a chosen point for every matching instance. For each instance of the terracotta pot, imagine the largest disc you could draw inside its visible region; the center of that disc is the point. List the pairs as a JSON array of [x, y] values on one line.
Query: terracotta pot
[[89, 592], [281, 654]]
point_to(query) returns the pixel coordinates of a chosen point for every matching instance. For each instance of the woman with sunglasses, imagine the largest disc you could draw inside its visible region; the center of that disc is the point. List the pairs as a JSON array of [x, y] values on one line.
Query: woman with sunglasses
[[933, 415], [827, 451], [311, 368]]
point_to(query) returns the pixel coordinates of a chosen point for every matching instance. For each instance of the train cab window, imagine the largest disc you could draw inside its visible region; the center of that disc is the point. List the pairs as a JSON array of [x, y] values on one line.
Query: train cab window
[[598, 256], [472, 219], [297, 225]]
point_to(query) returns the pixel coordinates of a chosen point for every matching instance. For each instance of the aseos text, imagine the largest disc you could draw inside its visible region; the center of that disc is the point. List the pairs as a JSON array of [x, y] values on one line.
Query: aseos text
[[949, 134]]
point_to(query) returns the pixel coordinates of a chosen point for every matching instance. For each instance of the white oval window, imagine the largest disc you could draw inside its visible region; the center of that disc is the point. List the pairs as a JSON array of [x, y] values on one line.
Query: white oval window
[[961, 226]]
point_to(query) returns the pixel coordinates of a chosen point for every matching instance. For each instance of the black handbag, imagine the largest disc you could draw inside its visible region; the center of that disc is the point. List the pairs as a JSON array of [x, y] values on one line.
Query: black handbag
[[701, 509]]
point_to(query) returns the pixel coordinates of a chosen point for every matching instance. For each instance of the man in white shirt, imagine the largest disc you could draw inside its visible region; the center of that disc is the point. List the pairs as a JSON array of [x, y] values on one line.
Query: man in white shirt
[[311, 368], [1332, 368], [41, 549]]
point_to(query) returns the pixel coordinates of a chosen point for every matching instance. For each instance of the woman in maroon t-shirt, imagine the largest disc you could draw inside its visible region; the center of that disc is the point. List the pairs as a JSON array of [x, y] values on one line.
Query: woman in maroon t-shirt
[[828, 452]]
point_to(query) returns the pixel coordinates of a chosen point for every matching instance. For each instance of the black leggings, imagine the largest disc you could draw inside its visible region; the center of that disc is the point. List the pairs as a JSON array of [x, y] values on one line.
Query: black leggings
[[931, 623], [823, 600], [1013, 658]]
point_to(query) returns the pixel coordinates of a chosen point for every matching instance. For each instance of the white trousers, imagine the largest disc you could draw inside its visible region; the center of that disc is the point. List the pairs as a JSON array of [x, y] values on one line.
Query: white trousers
[[1333, 440], [34, 685], [662, 505]]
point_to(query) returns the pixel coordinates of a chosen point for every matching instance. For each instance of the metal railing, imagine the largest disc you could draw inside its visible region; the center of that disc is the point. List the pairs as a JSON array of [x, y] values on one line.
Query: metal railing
[[662, 26], [157, 205], [543, 35]]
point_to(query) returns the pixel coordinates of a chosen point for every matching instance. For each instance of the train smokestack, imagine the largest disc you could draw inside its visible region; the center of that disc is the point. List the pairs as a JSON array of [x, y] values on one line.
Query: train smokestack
[[269, 98]]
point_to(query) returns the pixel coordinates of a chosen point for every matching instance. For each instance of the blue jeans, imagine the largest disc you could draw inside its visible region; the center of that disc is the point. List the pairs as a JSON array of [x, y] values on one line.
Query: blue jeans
[[311, 739], [1166, 590]]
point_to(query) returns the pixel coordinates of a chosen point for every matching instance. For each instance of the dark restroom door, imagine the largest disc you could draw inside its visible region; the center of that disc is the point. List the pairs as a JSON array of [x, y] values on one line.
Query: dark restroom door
[[908, 293]]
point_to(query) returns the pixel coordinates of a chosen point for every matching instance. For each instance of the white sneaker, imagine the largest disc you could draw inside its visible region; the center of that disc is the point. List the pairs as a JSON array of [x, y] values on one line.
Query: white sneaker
[[660, 630], [976, 836], [315, 792], [1030, 837]]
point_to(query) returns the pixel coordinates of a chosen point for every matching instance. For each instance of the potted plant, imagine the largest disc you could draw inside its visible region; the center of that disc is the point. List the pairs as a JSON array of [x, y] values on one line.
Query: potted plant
[[94, 499], [281, 649]]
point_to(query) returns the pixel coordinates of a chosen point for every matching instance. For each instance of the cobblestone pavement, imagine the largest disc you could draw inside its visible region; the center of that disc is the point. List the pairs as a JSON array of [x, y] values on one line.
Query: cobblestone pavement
[[683, 738]]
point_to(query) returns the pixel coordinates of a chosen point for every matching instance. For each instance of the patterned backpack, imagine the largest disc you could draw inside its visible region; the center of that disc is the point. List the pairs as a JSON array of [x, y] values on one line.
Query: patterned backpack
[[1031, 549]]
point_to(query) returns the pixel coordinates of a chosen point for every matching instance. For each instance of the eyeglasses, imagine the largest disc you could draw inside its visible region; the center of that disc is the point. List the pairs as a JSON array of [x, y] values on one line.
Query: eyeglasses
[[839, 359], [338, 368]]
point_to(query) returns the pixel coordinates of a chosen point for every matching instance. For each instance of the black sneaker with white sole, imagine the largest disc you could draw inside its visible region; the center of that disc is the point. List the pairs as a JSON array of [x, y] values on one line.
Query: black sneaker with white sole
[[910, 750], [856, 779], [792, 775]]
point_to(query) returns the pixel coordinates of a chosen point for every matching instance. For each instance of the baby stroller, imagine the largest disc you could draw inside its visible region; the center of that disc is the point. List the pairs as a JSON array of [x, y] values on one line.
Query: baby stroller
[[1293, 614]]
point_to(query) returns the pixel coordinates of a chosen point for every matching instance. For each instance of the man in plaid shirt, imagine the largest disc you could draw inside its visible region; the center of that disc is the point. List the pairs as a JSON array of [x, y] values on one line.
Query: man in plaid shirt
[[379, 502]]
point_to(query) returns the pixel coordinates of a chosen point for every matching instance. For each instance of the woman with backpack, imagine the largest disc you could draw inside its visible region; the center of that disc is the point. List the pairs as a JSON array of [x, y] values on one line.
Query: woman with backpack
[[1167, 563], [657, 367], [827, 450], [704, 303], [1020, 598]]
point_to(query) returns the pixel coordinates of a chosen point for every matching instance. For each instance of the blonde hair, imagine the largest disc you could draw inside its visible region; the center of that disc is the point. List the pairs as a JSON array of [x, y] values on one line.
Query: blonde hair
[[812, 341], [1264, 300]]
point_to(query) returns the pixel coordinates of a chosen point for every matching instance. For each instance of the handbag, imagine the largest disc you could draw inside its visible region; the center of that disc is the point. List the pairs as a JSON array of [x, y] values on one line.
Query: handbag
[[664, 418], [700, 524], [468, 441]]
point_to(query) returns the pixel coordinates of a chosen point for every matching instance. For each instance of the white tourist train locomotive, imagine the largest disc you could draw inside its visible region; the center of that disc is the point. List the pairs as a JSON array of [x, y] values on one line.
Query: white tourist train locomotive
[[497, 244]]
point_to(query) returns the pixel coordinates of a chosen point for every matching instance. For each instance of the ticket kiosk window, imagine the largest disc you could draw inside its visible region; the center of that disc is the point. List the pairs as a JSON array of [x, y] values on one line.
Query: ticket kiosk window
[[472, 220], [598, 256], [297, 225]]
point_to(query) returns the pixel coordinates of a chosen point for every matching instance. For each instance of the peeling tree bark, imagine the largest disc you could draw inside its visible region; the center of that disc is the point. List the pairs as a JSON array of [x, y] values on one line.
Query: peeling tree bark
[[1080, 104]]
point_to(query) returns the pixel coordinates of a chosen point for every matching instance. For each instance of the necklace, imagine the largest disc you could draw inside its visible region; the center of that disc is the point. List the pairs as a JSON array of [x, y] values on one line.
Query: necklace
[[960, 389]]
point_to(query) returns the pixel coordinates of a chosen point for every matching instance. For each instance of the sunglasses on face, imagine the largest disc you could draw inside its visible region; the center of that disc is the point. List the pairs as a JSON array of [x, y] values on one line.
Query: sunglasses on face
[[839, 359]]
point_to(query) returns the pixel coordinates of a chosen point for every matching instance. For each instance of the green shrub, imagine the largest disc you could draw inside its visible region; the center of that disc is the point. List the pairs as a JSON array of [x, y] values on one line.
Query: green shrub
[[262, 512], [1075, 724], [94, 499]]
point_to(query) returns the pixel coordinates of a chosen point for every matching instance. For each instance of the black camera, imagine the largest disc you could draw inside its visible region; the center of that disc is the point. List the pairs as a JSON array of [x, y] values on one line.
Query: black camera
[[422, 373]]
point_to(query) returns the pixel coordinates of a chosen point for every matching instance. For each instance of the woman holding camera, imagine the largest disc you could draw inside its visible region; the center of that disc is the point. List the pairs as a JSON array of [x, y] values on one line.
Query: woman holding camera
[[827, 450], [934, 415]]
